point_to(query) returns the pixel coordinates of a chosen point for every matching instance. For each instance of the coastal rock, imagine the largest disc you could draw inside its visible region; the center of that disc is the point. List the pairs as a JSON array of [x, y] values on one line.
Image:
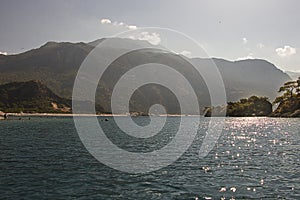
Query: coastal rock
[[288, 108]]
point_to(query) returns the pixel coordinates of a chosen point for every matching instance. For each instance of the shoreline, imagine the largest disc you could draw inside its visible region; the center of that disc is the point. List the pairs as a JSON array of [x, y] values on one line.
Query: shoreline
[[57, 115], [118, 115], [80, 115], [85, 115]]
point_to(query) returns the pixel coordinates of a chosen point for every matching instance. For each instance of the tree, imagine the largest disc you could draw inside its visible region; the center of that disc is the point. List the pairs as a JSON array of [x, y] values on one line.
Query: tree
[[290, 90]]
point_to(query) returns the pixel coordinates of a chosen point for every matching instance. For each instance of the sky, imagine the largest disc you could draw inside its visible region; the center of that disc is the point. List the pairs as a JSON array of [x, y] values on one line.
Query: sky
[[228, 29]]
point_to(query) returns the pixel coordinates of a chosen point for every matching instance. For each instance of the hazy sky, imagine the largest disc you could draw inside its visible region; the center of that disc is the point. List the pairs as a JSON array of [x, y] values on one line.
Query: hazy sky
[[231, 29]]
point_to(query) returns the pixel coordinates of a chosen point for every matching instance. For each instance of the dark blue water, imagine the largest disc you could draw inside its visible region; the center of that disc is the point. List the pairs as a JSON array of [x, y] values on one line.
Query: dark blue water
[[255, 158]]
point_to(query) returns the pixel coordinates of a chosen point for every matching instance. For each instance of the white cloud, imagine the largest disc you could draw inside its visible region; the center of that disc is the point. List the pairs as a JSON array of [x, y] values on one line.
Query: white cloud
[[249, 56], [186, 53], [3, 53], [153, 38], [131, 27], [105, 21], [260, 45], [118, 24], [245, 41], [286, 51]]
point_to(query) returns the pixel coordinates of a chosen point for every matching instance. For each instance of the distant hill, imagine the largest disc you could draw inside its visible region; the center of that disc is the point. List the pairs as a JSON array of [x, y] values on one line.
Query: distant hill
[[293, 75], [31, 96], [250, 77], [56, 65]]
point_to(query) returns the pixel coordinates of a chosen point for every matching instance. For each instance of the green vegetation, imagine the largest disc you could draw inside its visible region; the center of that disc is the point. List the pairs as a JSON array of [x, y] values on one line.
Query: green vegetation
[[253, 106], [34, 97], [31, 96], [290, 89], [288, 104], [289, 101]]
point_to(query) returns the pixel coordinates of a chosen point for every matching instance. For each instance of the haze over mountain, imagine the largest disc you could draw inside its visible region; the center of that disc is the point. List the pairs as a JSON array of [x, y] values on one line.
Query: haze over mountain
[[293, 75], [249, 77], [56, 65]]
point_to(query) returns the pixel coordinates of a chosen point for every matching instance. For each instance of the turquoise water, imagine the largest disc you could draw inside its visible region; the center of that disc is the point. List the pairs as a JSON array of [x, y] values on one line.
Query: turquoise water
[[255, 158]]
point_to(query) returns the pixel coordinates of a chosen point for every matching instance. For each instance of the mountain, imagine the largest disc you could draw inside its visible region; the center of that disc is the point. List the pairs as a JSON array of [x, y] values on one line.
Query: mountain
[[56, 65], [31, 96], [293, 75], [250, 77]]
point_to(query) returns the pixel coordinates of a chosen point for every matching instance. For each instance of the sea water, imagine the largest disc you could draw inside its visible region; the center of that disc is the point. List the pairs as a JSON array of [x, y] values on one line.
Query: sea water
[[254, 158]]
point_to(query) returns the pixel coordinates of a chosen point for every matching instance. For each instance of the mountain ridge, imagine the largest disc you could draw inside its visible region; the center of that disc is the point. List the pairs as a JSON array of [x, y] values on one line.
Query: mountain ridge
[[55, 64]]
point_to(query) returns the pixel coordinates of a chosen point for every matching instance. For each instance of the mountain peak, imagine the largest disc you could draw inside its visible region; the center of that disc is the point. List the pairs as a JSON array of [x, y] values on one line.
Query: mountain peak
[[50, 44]]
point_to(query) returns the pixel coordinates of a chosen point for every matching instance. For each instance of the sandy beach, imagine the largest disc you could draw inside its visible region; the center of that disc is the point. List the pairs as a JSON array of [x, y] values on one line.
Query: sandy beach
[[79, 115]]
